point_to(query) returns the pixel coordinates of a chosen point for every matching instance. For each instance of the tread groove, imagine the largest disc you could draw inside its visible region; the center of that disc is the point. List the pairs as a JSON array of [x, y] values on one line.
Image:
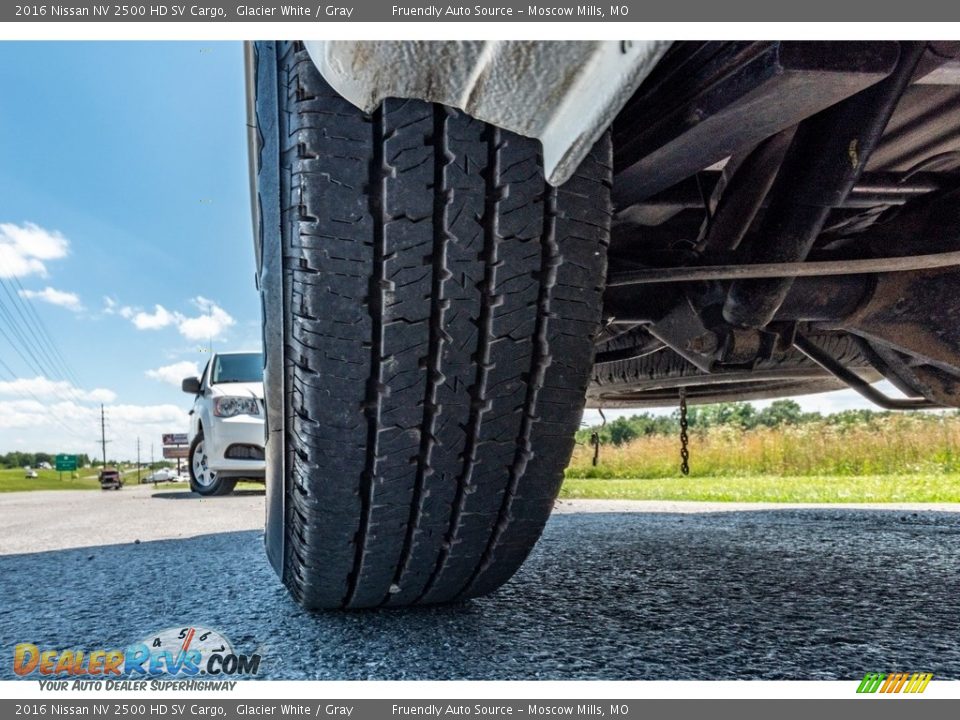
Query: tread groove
[[441, 199], [378, 176], [482, 358], [540, 359]]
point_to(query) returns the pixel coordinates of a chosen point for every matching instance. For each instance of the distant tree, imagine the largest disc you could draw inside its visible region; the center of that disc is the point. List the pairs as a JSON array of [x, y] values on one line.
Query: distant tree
[[622, 431], [742, 415], [850, 418], [780, 412]]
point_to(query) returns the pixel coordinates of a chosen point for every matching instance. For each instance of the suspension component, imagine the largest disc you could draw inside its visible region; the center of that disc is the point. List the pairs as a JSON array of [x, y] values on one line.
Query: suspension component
[[853, 381], [824, 161]]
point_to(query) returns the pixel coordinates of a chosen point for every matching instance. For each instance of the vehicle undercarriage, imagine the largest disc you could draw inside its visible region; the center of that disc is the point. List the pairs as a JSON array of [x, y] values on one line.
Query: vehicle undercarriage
[[787, 223]]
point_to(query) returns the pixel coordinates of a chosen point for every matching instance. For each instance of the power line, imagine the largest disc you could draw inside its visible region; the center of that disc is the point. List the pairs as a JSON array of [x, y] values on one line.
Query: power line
[[55, 389], [33, 346], [23, 394], [26, 330], [49, 367], [34, 362], [22, 294], [42, 341]]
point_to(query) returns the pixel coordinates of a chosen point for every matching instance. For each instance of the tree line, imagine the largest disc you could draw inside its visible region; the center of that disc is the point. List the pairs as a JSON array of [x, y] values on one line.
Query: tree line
[[738, 415], [19, 459]]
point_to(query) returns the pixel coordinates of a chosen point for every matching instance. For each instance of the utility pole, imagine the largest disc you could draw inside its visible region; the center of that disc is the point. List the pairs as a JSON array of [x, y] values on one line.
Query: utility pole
[[138, 459], [103, 435]]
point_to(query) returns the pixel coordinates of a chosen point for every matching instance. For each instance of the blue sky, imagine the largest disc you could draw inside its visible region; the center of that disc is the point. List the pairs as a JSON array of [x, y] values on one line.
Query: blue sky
[[124, 216], [125, 224]]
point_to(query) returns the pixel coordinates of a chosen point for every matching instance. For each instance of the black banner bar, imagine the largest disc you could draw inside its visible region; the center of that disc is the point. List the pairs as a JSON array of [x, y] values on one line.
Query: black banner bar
[[487, 11]]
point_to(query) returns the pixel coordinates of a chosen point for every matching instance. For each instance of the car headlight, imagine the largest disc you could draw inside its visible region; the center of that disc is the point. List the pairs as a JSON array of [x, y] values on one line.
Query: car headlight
[[233, 406]]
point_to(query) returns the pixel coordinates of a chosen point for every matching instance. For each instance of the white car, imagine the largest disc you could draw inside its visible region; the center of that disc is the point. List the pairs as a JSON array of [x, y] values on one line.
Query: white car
[[226, 423], [161, 475]]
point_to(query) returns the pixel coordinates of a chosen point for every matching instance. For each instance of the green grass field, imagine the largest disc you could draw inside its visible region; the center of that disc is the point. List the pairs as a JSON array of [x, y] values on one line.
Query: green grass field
[[766, 488], [84, 479], [750, 488], [901, 458], [905, 458], [14, 480]]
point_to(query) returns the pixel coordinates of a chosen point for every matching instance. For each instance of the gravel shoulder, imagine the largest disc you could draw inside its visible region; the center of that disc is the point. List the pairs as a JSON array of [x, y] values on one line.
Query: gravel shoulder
[[62, 519]]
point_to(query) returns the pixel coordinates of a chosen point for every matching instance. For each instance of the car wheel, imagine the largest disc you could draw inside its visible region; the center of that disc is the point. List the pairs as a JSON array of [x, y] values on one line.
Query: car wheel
[[439, 305], [203, 480]]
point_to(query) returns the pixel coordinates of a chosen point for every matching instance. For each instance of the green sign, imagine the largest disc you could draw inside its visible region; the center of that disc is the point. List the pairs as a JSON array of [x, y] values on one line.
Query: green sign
[[66, 463]]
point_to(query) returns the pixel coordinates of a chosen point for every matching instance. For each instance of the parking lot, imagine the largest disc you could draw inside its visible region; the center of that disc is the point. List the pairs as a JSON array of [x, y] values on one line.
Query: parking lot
[[615, 590]]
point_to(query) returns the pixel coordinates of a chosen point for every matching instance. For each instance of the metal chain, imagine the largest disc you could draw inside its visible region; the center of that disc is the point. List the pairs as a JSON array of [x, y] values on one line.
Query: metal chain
[[684, 440], [595, 439]]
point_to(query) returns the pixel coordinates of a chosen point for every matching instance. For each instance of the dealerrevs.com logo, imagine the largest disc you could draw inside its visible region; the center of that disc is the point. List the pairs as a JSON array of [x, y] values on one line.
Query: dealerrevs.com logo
[[185, 652]]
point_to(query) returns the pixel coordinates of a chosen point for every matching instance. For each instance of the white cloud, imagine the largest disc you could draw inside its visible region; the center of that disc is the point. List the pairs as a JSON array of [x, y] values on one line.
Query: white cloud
[[64, 299], [31, 413], [211, 324], [100, 395], [160, 318], [22, 414], [37, 429], [169, 416], [175, 373], [43, 388], [24, 248]]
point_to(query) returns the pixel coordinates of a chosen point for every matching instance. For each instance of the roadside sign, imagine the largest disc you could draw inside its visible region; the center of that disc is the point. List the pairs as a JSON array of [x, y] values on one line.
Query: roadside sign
[[173, 452], [66, 463], [174, 439]]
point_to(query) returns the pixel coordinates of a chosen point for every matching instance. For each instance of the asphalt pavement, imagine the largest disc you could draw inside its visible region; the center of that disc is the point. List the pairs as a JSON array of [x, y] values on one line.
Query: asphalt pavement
[[615, 590]]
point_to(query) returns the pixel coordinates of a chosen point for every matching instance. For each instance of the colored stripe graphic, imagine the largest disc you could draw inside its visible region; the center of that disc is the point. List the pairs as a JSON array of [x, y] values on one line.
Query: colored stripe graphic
[[870, 682], [918, 683], [894, 683]]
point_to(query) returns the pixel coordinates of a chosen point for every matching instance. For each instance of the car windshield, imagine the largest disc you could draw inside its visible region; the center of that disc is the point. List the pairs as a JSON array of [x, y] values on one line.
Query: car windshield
[[241, 367]]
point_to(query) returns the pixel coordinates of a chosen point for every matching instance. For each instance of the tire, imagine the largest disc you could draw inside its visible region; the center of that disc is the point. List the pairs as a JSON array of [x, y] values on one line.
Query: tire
[[440, 303], [202, 481], [654, 380]]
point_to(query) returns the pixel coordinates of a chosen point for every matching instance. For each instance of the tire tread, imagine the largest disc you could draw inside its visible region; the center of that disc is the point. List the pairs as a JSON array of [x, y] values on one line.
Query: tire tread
[[443, 307]]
